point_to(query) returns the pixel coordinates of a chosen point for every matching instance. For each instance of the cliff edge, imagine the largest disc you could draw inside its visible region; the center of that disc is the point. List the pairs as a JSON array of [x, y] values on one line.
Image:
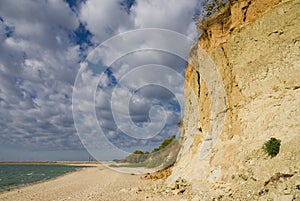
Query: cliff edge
[[254, 46]]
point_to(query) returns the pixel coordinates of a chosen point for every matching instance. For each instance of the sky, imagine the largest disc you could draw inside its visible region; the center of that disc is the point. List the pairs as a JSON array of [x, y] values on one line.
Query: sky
[[76, 79]]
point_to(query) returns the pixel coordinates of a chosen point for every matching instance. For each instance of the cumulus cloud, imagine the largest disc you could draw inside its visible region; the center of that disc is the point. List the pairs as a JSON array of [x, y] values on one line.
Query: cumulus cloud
[[126, 103], [42, 48], [38, 64], [108, 18], [104, 18], [175, 15]]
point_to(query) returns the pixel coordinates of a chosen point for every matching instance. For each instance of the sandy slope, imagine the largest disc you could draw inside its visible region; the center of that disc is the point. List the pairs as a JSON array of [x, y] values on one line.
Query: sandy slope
[[95, 183]]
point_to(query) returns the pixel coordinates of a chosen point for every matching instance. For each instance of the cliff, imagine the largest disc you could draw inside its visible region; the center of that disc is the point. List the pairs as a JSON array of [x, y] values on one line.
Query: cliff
[[242, 88]]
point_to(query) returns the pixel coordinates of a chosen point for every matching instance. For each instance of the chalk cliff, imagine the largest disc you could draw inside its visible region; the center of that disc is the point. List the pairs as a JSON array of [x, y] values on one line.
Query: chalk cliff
[[253, 94]]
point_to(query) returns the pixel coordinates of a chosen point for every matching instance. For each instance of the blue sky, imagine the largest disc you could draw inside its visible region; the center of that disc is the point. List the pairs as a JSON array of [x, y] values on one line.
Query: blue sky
[[43, 44]]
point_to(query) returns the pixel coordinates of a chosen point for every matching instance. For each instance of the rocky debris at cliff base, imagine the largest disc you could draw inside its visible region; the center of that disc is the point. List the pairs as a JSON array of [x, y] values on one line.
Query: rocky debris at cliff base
[[161, 174], [280, 186], [276, 177], [179, 187], [135, 190]]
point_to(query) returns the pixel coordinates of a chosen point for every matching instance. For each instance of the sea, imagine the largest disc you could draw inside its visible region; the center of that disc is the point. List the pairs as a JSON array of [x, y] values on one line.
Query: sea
[[16, 175]]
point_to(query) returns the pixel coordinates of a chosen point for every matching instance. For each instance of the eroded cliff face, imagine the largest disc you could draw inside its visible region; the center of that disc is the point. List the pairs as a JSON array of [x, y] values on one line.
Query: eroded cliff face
[[255, 46]]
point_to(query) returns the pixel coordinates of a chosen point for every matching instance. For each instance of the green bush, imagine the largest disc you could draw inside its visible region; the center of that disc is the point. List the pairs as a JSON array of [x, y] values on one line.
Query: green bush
[[272, 147], [157, 157], [138, 152], [164, 144]]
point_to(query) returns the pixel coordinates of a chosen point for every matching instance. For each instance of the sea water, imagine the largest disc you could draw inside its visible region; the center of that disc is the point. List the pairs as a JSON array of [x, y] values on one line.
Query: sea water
[[14, 175]]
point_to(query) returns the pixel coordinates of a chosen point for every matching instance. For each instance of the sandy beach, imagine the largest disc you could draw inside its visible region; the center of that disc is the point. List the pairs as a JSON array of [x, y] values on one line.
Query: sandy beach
[[93, 183]]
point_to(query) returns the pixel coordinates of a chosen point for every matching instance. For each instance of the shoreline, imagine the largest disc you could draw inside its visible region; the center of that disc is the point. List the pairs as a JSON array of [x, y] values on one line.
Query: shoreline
[[93, 183], [84, 165], [37, 182]]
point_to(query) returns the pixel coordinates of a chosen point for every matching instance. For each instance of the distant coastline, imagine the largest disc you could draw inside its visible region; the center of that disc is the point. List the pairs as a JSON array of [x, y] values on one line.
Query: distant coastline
[[53, 162]]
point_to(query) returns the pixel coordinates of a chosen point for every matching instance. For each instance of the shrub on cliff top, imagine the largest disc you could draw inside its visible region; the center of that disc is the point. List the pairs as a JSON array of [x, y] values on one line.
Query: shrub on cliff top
[[212, 6], [164, 144], [272, 147]]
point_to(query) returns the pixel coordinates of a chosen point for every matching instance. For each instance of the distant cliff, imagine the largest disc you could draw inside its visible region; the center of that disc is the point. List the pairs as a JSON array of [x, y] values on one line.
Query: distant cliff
[[255, 47]]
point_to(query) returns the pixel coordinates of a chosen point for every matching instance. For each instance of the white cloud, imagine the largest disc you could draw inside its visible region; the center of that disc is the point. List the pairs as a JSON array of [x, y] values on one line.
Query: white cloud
[[175, 15], [104, 18], [39, 60], [39, 21], [107, 18], [38, 64]]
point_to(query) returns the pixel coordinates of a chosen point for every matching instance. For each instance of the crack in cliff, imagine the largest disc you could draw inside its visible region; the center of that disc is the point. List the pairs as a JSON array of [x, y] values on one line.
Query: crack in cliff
[[198, 80], [233, 96], [293, 87], [226, 56], [245, 9], [276, 32], [266, 74]]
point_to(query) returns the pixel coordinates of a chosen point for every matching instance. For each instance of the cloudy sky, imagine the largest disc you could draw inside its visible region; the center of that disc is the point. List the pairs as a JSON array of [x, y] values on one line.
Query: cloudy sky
[[129, 95]]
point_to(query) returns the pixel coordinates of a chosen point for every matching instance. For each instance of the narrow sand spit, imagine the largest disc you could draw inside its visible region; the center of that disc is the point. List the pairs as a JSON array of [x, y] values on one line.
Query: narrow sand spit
[[94, 183]]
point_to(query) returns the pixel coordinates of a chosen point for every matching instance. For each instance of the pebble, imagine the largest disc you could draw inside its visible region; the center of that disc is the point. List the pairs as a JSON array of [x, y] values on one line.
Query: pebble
[[197, 198], [123, 190], [287, 191], [297, 185], [286, 198]]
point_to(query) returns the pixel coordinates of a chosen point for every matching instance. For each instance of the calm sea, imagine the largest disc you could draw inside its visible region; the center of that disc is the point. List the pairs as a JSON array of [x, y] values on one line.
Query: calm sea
[[13, 175]]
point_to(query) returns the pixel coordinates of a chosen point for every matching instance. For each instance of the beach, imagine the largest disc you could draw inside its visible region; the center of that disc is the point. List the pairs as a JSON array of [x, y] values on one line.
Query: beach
[[93, 183]]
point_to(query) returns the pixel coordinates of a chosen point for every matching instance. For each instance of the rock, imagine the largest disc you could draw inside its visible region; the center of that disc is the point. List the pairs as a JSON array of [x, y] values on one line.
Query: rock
[[173, 186], [160, 174], [178, 191], [287, 191], [196, 198], [136, 190], [297, 185], [286, 198], [178, 187], [123, 190], [244, 177]]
